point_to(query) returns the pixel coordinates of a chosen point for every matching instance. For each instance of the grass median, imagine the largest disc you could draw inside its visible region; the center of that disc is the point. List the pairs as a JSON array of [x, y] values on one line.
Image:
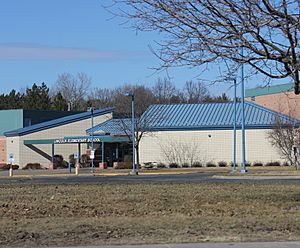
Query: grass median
[[97, 214]]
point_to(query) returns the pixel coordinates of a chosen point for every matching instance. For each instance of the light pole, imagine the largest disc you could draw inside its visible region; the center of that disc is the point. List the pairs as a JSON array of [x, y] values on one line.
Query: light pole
[[234, 129], [243, 117], [234, 125], [134, 170], [92, 142]]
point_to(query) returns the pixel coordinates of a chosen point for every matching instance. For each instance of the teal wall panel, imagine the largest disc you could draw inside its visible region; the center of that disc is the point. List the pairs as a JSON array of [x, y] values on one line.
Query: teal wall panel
[[10, 120]]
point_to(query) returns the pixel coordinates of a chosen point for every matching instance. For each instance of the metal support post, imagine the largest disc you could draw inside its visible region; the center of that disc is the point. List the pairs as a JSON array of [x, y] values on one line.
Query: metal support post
[[134, 170], [243, 120], [117, 152], [52, 154], [69, 167], [11, 170], [234, 130], [92, 150], [102, 149], [79, 153]]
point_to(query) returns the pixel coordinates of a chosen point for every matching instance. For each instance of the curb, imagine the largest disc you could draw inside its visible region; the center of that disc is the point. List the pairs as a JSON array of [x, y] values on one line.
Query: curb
[[145, 173], [166, 173], [110, 175], [38, 175], [256, 177], [96, 174]]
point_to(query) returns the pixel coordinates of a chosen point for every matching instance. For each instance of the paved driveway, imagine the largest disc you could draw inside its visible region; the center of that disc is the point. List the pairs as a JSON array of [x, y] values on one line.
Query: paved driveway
[[210, 245], [179, 178]]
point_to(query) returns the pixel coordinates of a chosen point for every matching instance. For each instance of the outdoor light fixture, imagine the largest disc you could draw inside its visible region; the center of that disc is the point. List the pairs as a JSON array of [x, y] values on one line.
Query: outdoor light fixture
[[134, 170]]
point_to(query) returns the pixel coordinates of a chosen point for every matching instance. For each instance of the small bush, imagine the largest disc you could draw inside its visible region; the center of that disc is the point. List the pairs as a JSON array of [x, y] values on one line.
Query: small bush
[[173, 165], [222, 164], [4, 166], [257, 164], [15, 167], [84, 160], [148, 165], [58, 162], [276, 163], [123, 165], [197, 164], [161, 165], [285, 163], [32, 166], [211, 164], [72, 159], [185, 165], [231, 164], [247, 164]]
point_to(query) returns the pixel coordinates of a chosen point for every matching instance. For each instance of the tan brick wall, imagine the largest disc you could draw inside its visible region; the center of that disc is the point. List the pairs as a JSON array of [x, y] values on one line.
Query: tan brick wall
[[24, 154], [13, 146], [206, 146], [3, 149], [285, 102]]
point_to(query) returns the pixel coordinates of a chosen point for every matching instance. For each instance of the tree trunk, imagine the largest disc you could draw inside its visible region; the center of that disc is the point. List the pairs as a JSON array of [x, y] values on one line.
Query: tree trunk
[[137, 155]]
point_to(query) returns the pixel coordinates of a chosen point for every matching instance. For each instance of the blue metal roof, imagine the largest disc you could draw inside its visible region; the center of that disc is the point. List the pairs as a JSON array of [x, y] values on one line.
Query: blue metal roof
[[211, 116], [112, 127], [206, 116], [56, 122]]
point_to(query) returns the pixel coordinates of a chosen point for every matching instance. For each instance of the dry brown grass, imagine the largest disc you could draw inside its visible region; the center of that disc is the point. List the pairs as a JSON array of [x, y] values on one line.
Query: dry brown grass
[[36, 215]]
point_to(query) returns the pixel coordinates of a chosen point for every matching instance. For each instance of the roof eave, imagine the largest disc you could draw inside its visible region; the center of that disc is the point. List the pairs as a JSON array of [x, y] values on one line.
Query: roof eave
[[22, 132]]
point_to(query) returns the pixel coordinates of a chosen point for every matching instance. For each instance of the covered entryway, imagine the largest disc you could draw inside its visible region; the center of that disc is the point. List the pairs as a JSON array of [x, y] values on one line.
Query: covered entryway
[[107, 148]]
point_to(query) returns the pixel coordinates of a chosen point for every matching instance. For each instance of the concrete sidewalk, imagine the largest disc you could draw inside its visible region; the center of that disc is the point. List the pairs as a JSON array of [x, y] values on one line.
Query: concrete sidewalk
[[86, 172], [295, 244]]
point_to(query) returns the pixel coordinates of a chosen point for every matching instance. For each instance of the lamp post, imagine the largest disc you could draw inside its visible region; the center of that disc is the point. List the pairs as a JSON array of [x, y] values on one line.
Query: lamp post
[[92, 143], [234, 129], [243, 117], [134, 170], [234, 125]]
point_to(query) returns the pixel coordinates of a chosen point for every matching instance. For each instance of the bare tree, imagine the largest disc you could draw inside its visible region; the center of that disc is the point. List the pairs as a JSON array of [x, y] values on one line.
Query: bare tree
[[195, 92], [73, 88], [101, 98], [164, 90], [284, 137], [141, 127], [143, 98], [181, 153], [262, 34]]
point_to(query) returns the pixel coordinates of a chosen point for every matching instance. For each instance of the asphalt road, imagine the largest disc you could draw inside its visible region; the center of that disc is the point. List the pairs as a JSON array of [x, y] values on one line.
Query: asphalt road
[[178, 178], [210, 245]]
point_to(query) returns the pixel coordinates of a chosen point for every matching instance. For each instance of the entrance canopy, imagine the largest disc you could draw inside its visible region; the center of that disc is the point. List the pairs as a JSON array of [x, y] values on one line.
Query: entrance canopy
[[111, 140]]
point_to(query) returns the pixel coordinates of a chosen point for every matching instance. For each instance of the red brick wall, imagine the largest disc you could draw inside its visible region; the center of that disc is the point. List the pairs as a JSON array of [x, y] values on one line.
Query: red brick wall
[[3, 153], [286, 102]]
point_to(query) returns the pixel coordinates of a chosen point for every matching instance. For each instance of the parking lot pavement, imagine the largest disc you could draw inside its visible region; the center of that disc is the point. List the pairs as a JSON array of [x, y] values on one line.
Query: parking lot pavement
[[119, 176], [210, 245]]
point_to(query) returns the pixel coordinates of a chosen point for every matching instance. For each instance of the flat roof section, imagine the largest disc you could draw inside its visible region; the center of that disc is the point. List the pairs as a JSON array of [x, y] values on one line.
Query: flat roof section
[[268, 90]]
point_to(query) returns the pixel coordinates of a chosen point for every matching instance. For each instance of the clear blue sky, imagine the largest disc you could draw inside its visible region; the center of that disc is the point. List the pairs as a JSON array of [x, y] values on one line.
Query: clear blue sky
[[42, 38]]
